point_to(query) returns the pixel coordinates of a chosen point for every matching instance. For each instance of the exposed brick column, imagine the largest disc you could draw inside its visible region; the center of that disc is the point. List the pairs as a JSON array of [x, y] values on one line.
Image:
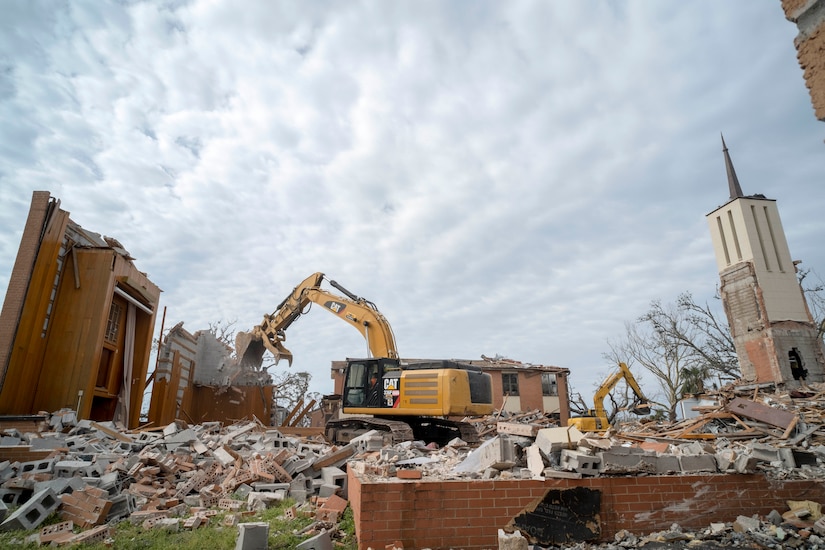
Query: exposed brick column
[[809, 16]]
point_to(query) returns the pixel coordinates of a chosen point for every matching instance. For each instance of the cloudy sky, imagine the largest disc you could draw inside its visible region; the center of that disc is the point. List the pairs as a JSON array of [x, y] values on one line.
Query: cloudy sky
[[515, 178]]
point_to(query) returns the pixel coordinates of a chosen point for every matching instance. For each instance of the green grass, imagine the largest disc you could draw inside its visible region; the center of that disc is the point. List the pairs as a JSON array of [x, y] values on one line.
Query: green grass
[[283, 533]]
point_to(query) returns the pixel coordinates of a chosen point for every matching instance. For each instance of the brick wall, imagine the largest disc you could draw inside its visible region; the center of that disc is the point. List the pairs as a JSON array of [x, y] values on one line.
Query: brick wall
[[468, 514], [23, 453], [809, 16]]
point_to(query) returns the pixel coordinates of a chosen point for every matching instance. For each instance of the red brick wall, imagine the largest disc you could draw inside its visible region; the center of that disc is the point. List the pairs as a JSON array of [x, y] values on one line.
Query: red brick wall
[[468, 514]]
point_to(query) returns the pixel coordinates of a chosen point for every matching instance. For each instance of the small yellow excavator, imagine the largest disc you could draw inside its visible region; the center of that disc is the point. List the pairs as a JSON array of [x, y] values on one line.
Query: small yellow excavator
[[405, 400], [596, 419]]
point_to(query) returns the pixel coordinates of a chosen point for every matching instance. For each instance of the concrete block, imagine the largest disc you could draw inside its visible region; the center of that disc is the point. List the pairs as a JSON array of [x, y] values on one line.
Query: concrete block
[[252, 536], [335, 476], [499, 453], [745, 464], [32, 513], [745, 524], [268, 499], [725, 459], [298, 495], [270, 487], [535, 461], [667, 464], [765, 453], [70, 468], [583, 463], [511, 541], [37, 467], [697, 463], [321, 541], [626, 463], [787, 457], [551, 440], [123, 505], [14, 496]]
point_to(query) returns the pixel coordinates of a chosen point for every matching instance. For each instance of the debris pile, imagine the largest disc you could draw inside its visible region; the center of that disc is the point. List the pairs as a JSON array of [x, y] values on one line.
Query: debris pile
[[802, 526], [780, 434], [178, 478]]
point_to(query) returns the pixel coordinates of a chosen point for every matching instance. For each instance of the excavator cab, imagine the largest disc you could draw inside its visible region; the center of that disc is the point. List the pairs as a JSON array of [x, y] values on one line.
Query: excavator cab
[[371, 383]]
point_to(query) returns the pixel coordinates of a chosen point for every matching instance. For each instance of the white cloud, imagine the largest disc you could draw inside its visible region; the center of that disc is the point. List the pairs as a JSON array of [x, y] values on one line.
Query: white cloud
[[515, 178]]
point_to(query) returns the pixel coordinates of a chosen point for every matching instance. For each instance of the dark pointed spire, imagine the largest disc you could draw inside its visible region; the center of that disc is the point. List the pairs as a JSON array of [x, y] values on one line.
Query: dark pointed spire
[[733, 181]]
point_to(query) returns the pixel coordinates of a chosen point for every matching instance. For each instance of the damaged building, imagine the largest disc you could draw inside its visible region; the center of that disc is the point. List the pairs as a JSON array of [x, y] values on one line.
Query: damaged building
[[77, 322], [198, 380], [773, 331]]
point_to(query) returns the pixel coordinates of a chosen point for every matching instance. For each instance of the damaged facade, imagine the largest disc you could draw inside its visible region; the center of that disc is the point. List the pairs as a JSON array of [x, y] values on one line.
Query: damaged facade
[[809, 17], [77, 322], [773, 331], [198, 380]]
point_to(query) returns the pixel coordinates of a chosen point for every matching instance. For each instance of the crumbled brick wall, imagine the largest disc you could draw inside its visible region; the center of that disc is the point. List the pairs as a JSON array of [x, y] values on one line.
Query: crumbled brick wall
[[809, 16], [23, 453], [470, 513]]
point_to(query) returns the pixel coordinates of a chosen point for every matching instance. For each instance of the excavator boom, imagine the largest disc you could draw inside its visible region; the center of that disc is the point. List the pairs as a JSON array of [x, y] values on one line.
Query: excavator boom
[[358, 312]]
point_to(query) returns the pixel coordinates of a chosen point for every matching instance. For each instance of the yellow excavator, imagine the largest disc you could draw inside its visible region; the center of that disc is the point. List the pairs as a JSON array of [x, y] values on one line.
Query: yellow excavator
[[596, 419], [406, 400]]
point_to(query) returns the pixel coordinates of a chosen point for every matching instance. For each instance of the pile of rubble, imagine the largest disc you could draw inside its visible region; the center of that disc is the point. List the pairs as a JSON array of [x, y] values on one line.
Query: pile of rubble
[[780, 434], [801, 527], [177, 478]]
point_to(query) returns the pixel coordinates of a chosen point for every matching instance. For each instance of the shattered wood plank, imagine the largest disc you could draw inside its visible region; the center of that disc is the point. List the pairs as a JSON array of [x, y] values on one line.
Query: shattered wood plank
[[790, 428], [760, 412], [295, 409], [302, 414], [111, 433]]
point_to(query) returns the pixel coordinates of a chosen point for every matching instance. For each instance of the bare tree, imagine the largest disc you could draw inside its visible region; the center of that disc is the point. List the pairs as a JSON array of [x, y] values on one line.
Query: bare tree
[[813, 289], [291, 390], [709, 337], [658, 342], [620, 399]]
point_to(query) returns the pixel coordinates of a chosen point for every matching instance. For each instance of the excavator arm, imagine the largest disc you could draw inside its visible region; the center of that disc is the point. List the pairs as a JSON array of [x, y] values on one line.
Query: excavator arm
[[622, 374], [358, 312], [596, 419]]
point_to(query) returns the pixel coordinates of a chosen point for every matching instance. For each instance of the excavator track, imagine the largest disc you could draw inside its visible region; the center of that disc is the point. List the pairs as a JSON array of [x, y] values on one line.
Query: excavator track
[[442, 431], [400, 429], [343, 430]]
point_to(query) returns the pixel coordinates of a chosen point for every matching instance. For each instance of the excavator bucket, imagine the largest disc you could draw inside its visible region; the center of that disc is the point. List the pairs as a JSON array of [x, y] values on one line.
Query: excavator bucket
[[250, 348], [641, 409]]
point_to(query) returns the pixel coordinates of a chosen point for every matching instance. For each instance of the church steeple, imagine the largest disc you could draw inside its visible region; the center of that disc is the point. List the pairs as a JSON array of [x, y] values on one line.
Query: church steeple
[[733, 181]]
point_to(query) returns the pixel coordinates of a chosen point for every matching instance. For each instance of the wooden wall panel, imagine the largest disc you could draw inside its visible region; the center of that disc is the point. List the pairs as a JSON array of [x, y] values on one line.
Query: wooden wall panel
[[28, 349], [76, 333], [210, 403]]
